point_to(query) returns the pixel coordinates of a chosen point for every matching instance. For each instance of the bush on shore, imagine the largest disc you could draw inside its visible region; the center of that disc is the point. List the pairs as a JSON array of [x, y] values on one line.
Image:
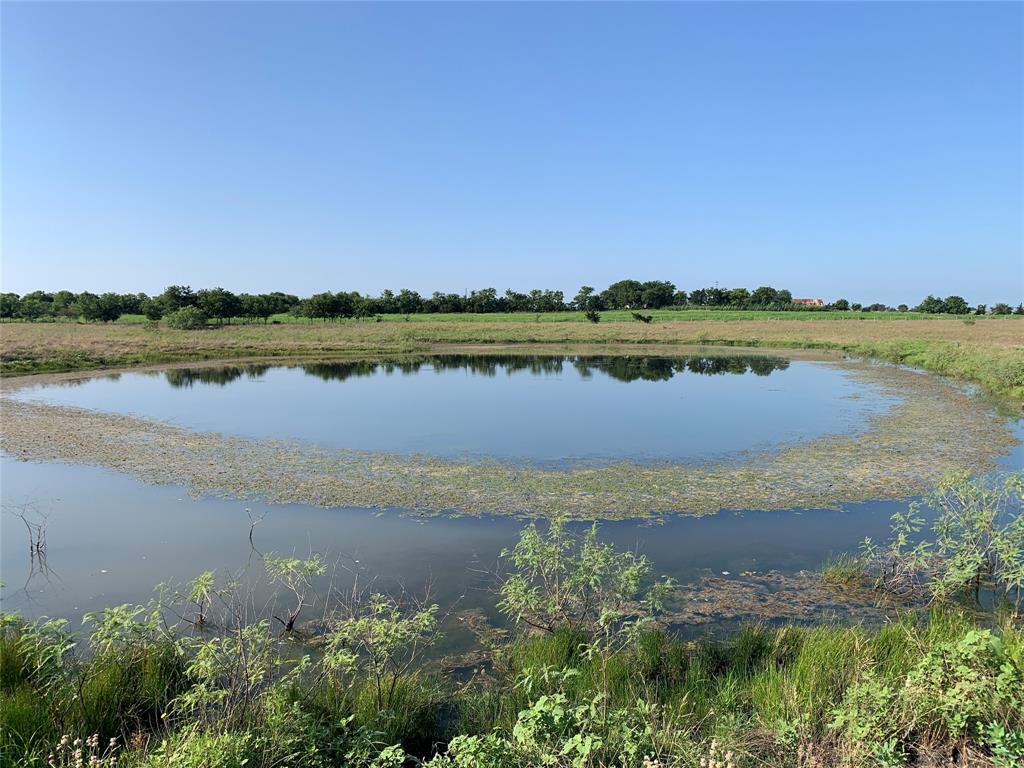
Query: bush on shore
[[186, 318]]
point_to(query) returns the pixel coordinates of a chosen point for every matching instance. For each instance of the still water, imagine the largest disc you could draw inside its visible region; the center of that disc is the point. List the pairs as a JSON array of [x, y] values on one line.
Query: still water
[[111, 538], [537, 409]]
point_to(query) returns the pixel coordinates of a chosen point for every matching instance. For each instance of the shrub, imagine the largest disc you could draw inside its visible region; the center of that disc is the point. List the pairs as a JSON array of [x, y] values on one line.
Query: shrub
[[962, 684], [186, 318], [976, 543]]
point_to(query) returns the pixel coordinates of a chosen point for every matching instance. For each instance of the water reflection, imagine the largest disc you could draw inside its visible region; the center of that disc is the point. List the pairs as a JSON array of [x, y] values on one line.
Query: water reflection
[[545, 409], [188, 377], [615, 367]]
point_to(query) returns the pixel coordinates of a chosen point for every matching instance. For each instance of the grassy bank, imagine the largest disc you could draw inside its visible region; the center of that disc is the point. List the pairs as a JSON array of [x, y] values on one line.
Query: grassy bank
[[940, 692], [987, 351]]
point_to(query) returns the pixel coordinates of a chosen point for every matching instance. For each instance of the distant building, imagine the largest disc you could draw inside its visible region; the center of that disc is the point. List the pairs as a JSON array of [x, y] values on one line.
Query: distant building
[[809, 302]]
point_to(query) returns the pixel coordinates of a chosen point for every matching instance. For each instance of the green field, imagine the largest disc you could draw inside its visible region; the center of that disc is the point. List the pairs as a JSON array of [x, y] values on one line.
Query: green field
[[987, 351]]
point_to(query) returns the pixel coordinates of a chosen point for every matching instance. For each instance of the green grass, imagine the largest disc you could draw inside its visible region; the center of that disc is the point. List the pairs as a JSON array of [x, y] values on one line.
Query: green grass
[[843, 569], [761, 694]]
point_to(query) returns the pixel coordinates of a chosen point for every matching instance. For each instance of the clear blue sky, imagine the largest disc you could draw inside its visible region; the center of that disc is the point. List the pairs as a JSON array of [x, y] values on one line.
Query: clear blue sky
[[873, 151]]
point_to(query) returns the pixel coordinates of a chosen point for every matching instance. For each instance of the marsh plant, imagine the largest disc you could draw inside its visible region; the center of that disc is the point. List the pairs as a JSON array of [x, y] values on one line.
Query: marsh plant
[[295, 574], [200, 596], [973, 547], [380, 638], [559, 580]]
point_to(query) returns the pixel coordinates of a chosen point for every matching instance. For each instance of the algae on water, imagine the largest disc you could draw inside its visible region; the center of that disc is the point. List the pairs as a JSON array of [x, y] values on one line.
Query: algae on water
[[933, 428]]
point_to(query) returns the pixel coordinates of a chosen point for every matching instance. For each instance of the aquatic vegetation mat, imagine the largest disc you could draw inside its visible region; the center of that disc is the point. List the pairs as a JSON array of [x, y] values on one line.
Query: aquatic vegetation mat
[[801, 598], [933, 428]]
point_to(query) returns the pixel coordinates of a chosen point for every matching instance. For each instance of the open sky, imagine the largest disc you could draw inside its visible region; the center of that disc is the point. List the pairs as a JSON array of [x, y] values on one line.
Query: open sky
[[873, 151]]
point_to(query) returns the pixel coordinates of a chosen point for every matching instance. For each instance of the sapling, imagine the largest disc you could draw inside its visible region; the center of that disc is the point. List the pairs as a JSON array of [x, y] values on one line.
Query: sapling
[[296, 575]]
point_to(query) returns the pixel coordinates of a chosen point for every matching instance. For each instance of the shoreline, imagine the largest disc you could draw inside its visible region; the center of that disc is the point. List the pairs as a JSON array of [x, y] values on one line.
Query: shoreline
[[988, 353], [933, 429]]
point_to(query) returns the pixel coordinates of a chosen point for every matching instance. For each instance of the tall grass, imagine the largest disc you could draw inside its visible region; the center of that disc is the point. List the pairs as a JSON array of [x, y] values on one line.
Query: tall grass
[[766, 694]]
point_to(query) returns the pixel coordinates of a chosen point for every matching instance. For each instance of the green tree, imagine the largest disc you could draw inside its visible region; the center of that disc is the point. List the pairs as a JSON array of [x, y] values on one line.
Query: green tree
[[218, 303], [281, 302], [63, 304], [408, 302], [131, 303], [110, 307], [386, 303], [932, 305], [516, 302], [253, 307], [9, 303], [446, 302], [739, 297], [31, 307], [87, 306], [956, 305], [484, 300], [152, 309], [623, 294], [656, 294], [321, 306], [175, 297], [766, 296], [586, 299], [546, 301]]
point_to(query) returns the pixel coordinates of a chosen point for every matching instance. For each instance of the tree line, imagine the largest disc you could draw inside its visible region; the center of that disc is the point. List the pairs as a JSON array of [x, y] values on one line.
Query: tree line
[[180, 306]]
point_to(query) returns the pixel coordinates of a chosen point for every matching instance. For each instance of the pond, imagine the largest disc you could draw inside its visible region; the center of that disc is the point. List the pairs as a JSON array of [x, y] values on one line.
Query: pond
[[122, 516], [536, 409]]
